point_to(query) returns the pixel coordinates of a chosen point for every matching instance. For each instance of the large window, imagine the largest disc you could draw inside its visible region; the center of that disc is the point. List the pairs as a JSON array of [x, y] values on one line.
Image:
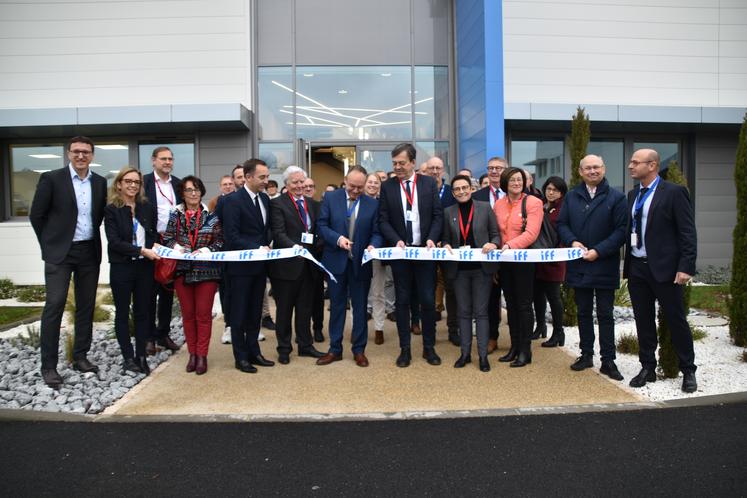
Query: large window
[[541, 158], [612, 152], [184, 157], [278, 156], [275, 103], [668, 152]]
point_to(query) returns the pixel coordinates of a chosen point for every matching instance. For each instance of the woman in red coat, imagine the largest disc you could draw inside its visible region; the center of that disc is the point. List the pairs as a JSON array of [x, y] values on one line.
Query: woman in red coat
[[549, 276]]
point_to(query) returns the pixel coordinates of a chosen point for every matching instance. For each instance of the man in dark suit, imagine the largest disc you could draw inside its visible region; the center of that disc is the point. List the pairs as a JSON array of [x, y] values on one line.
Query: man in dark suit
[[66, 214], [162, 190], [348, 225], [660, 256], [410, 214], [245, 215], [491, 193], [294, 220]]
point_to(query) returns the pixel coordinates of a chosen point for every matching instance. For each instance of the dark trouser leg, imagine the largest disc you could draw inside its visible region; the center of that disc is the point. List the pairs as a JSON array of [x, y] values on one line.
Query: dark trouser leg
[[225, 300], [552, 291], [402, 273], [605, 304], [123, 280], [463, 288], [585, 309], [643, 299], [481, 284], [494, 310], [283, 291], [246, 316], [452, 320], [415, 315], [425, 287], [141, 304], [57, 282], [540, 303], [358, 298], [338, 298], [86, 281], [304, 300], [163, 301], [508, 282], [671, 301], [317, 311], [524, 293]]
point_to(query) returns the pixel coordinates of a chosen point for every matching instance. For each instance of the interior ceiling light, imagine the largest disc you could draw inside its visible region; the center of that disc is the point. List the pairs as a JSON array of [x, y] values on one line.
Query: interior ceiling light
[[386, 75], [308, 75], [342, 92], [112, 147], [94, 165], [45, 156]]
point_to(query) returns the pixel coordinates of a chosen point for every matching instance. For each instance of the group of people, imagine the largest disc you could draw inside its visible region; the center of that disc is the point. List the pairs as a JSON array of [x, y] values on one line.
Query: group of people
[[403, 208]]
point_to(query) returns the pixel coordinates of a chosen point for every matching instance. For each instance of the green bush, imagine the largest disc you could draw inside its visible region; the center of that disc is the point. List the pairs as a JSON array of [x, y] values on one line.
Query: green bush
[[31, 338], [738, 301], [32, 294], [622, 296], [699, 334], [107, 298], [101, 314], [7, 289], [627, 344]]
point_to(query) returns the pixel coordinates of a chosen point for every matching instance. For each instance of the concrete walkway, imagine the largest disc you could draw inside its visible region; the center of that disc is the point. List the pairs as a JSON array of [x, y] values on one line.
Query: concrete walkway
[[303, 389]]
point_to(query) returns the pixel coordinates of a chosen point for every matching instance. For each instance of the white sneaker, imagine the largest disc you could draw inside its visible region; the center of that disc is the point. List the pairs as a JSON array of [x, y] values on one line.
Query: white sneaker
[[226, 337], [261, 337]]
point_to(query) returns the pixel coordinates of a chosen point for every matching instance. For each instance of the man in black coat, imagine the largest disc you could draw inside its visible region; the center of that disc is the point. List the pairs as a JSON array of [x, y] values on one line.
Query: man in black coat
[[660, 255], [162, 190], [411, 216], [66, 214]]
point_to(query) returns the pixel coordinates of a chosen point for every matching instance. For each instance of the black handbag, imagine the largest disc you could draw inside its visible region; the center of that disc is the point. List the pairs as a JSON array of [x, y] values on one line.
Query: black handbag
[[548, 237]]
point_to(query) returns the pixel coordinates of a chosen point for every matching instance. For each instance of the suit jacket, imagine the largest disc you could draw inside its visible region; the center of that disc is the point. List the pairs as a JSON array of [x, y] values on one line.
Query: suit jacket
[[54, 213], [333, 223], [484, 230], [447, 199], [243, 228], [287, 228], [670, 237], [392, 216], [149, 186], [118, 228]]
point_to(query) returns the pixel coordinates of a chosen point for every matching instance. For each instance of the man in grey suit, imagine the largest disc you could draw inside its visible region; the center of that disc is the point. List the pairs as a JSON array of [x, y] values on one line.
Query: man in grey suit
[[66, 214]]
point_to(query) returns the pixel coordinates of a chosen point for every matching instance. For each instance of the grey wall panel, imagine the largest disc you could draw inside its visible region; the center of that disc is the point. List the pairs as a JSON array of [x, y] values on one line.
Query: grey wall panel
[[431, 32], [353, 32], [218, 154], [274, 32]]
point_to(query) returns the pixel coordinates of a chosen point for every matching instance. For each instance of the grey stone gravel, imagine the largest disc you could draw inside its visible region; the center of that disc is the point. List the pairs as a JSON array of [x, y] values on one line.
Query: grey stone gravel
[[21, 385]]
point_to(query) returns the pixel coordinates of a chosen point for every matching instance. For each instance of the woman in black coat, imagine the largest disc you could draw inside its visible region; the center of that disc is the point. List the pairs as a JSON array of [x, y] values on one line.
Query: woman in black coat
[[130, 231]]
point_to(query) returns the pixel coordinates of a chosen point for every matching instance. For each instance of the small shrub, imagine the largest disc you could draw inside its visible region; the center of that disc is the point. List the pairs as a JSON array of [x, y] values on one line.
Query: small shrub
[[627, 344], [31, 338], [101, 314], [32, 294], [7, 289], [69, 345], [107, 298], [714, 275], [622, 296], [699, 334]]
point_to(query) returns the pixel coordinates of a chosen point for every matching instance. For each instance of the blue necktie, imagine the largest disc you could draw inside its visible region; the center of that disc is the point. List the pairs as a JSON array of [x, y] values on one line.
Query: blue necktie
[[301, 209]]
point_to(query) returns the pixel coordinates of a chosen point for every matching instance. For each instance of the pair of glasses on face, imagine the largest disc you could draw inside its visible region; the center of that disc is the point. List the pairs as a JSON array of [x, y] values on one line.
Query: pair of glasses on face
[[496, 168], [131, 182], [191, 191], [84, 153]]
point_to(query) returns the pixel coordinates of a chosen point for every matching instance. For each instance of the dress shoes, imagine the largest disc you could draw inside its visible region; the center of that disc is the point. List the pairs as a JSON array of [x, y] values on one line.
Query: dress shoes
[[404, 358], [311, 352], [484, 364], [150, 348], [268, 323], [83, 365], [201, 366], [510, 356], [167, 343], [283, 358], [51, 377], [130, 365], [415, 329], [523, 359], [689, 384], [360, 359], [492, 345], [318, 336], [644, 376], [379, 337], [328, 358], [610, 370], [431, 357], [556, 339], [583, 362], [192, 363], [462, 361], [142, 362], [245, 367], [261, 361]]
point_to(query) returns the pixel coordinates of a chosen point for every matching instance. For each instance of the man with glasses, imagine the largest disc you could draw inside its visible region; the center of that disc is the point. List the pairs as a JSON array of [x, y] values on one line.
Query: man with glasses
[[491, 193], [66, 214], [161, 189], [593, 218]]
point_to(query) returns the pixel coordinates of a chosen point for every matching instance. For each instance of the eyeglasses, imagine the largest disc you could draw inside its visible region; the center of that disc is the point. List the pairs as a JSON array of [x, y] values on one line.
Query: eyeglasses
[[81, 152], [191, 191], [127, 181], [595, 167], [496, 168], [465, 188], [636, 163]]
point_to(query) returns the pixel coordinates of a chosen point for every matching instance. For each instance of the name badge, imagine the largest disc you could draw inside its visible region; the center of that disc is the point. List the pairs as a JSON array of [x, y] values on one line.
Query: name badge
[[411, 216], [633, 239], [307, 238]]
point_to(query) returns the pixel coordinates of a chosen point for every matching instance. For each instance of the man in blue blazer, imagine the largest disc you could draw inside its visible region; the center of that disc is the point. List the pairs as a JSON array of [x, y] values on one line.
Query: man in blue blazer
[[245, 215], [349, 225], [660, 253], [410, 215]]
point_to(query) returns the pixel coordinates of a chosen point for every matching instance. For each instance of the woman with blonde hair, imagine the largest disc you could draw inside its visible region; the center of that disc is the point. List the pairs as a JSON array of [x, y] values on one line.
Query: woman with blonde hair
[[131, 232]]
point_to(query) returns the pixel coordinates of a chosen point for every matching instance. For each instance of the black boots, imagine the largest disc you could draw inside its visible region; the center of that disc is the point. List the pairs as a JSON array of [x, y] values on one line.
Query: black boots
[[556, 339]]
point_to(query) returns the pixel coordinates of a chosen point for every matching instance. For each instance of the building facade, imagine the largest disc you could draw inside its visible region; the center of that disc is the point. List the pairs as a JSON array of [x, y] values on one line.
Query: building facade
[[328, 83]]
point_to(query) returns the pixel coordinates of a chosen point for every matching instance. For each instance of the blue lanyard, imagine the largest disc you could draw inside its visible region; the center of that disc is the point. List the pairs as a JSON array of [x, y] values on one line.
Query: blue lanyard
[[441, 192], [135, 226], [641, 200], [351, 210]]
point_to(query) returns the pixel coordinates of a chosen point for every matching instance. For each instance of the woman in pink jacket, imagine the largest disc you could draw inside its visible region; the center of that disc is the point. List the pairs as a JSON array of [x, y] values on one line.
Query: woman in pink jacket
[[517, 279]]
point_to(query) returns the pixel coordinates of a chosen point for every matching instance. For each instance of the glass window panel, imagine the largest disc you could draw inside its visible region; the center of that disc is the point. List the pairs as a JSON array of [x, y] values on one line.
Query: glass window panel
[[275, 103], [432, 102], [426, 150], [668, 152], [184, 158], [375, 158], [612, 151], [542, 158], [28, 163], [278, 156], [354, 103], [109, 158]]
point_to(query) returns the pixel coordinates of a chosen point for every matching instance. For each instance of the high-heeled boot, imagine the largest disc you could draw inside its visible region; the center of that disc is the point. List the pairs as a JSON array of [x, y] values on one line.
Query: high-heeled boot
[[142, 362], [201, 366], [556, 339], [524, 358], [540, 331]]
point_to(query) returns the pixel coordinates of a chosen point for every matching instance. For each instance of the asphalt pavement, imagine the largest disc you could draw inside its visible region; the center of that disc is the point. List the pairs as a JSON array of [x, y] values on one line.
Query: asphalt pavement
[[691, 451]]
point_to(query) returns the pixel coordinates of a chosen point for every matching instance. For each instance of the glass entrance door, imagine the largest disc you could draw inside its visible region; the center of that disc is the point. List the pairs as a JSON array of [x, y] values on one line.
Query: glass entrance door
[[375, 157]]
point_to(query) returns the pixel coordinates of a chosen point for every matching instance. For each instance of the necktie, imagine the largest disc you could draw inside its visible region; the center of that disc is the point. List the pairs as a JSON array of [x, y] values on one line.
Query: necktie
[[301, 209], [639, 220], [409, 208], [351, 222], [259, 209]]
